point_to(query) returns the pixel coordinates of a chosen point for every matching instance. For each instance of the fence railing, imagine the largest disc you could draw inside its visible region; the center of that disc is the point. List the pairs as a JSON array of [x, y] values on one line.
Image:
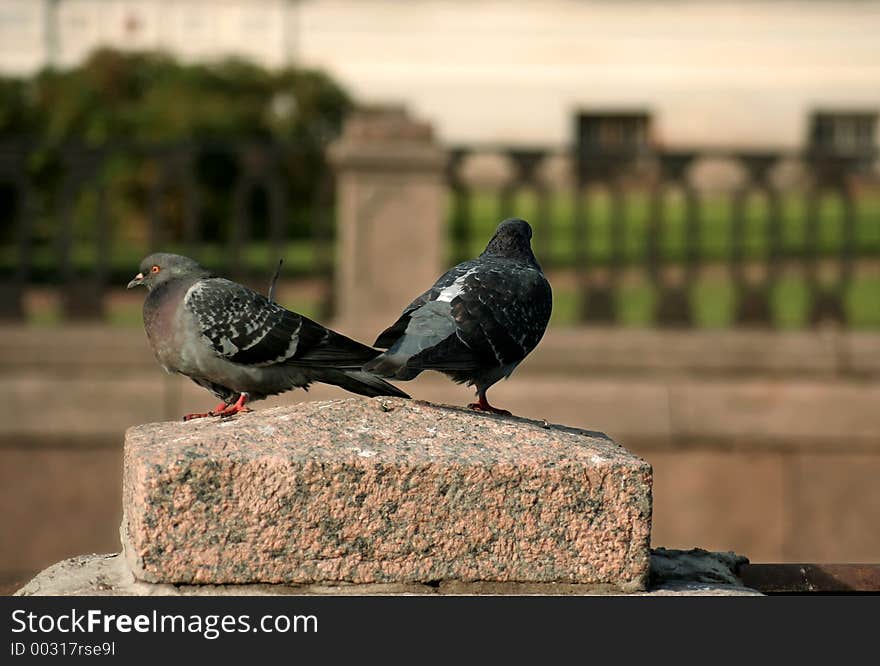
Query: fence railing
[[81, 218], [771, 239], [668, 238]]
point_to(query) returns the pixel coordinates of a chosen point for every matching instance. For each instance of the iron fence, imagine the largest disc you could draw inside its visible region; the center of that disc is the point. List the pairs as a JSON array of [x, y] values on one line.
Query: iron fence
[[80, 217], [819, 232], [630, 228]]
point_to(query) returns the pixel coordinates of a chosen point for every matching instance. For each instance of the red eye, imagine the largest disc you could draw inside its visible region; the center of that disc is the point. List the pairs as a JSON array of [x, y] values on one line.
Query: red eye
[[154, 269]]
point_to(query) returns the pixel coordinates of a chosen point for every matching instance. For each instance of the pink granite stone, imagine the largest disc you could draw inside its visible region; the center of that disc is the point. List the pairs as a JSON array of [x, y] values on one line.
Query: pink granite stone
[[383, 491]]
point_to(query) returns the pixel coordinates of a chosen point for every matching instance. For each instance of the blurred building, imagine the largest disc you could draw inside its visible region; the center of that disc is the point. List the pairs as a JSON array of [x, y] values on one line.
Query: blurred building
[[733, 72], [36, 33]]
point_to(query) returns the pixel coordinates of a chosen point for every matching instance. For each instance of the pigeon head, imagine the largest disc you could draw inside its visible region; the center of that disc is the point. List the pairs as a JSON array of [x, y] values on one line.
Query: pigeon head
[[512, 239], [161, 267]]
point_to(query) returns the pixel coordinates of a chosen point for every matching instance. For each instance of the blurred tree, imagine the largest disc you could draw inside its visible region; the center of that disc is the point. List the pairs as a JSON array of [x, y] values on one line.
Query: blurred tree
[[116, 101], [16, 116], [150, 97]]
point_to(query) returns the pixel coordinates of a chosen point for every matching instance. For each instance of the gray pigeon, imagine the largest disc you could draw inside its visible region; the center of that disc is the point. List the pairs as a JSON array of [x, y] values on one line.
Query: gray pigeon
[[477, 322], [237, 343]]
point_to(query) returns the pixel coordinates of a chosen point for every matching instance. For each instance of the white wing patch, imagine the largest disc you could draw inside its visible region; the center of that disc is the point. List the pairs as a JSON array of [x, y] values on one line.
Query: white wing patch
[[196, 288], [455, 288]]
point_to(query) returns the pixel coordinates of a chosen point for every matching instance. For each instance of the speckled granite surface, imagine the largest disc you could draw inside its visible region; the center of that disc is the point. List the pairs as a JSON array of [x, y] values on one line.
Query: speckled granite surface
[[383, 491]]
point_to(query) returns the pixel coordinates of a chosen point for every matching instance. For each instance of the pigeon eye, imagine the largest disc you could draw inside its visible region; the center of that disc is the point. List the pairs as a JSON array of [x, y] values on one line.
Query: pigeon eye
[[154, 269]]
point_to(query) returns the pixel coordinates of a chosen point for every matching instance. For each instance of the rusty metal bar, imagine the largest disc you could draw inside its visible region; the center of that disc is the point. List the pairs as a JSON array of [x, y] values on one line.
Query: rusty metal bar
[[13, 171], [543, 222], [322, 222], [581, 238], [811, 578]]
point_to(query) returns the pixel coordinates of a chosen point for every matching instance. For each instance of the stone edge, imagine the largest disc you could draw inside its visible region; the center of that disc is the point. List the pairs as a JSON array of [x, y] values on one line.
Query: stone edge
[[110, 575]]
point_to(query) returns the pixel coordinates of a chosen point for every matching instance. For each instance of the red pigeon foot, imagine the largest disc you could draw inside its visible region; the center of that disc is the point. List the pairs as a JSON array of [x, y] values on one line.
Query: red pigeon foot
[[239, 406], [484, 406], [201, 415]]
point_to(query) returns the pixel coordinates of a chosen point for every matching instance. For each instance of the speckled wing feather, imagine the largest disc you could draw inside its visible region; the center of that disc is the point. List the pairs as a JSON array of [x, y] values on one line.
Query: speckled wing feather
[[500, 310], [244, 327]]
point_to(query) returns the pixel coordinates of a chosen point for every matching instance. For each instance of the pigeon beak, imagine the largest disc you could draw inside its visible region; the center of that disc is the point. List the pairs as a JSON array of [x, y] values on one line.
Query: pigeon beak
[[138, 279]]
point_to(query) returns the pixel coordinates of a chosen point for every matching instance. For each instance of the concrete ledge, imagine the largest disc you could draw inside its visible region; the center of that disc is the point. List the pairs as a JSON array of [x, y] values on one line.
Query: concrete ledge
[[384, 491], [109, 575], [109, 351]]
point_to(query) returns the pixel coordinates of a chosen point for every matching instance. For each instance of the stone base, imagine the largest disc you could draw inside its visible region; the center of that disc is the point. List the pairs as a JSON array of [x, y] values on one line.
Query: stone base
[[674, 573], [384, 491]]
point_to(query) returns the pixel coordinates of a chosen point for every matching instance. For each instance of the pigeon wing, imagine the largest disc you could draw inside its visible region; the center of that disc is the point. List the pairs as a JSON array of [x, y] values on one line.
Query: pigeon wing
[[244, 327], [500, 315]]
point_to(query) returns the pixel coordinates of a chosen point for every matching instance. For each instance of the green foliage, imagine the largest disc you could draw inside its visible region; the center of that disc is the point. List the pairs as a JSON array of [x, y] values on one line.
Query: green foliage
[[152, 98], [128, 104], [16, 116]]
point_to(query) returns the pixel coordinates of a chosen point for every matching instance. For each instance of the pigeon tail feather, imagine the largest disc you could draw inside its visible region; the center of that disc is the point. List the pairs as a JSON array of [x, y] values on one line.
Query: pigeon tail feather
[[391, 365], [392, 334], [363, 383]]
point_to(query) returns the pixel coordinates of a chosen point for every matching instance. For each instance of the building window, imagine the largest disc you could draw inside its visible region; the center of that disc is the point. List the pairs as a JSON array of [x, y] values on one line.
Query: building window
[[843, 132], [617, 133]]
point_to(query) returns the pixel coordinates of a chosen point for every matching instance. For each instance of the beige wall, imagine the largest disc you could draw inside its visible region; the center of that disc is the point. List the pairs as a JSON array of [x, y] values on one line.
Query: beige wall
[[22, 35], [729, 72], [714, 72], [191, 29]]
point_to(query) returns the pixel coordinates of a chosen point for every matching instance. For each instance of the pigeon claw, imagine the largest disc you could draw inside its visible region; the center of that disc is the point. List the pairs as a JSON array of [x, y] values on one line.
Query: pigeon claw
[[197, 415], [201, 415], [484, 406], [224, 409], [232, 412], [239, 406]]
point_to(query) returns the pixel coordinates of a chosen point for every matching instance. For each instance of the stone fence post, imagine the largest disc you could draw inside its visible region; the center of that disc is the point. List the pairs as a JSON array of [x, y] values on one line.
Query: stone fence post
[[391, 204]]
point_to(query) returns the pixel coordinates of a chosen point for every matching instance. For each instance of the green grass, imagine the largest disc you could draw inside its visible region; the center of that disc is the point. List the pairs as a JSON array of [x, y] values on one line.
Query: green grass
[[554, 237], [713, 297], [790, 301], [713, 240], [713, 303], [862, 301]]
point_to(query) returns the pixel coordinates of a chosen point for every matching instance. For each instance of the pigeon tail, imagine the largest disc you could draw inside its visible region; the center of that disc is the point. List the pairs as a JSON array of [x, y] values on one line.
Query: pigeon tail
[[362, 383], [392, 366]]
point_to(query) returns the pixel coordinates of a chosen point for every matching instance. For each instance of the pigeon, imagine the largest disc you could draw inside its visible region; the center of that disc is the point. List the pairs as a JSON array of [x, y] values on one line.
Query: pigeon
[[478, 321], [240, 345]]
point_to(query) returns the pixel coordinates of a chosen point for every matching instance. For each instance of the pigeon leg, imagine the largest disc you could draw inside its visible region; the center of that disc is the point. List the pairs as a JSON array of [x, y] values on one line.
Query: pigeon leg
[[239, 406], [483, 406], [214, 412]]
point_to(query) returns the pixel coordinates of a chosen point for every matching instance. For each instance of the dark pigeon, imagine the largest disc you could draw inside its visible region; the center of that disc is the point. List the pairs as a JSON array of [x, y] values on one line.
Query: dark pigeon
[[240, 345], [477, 322]]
